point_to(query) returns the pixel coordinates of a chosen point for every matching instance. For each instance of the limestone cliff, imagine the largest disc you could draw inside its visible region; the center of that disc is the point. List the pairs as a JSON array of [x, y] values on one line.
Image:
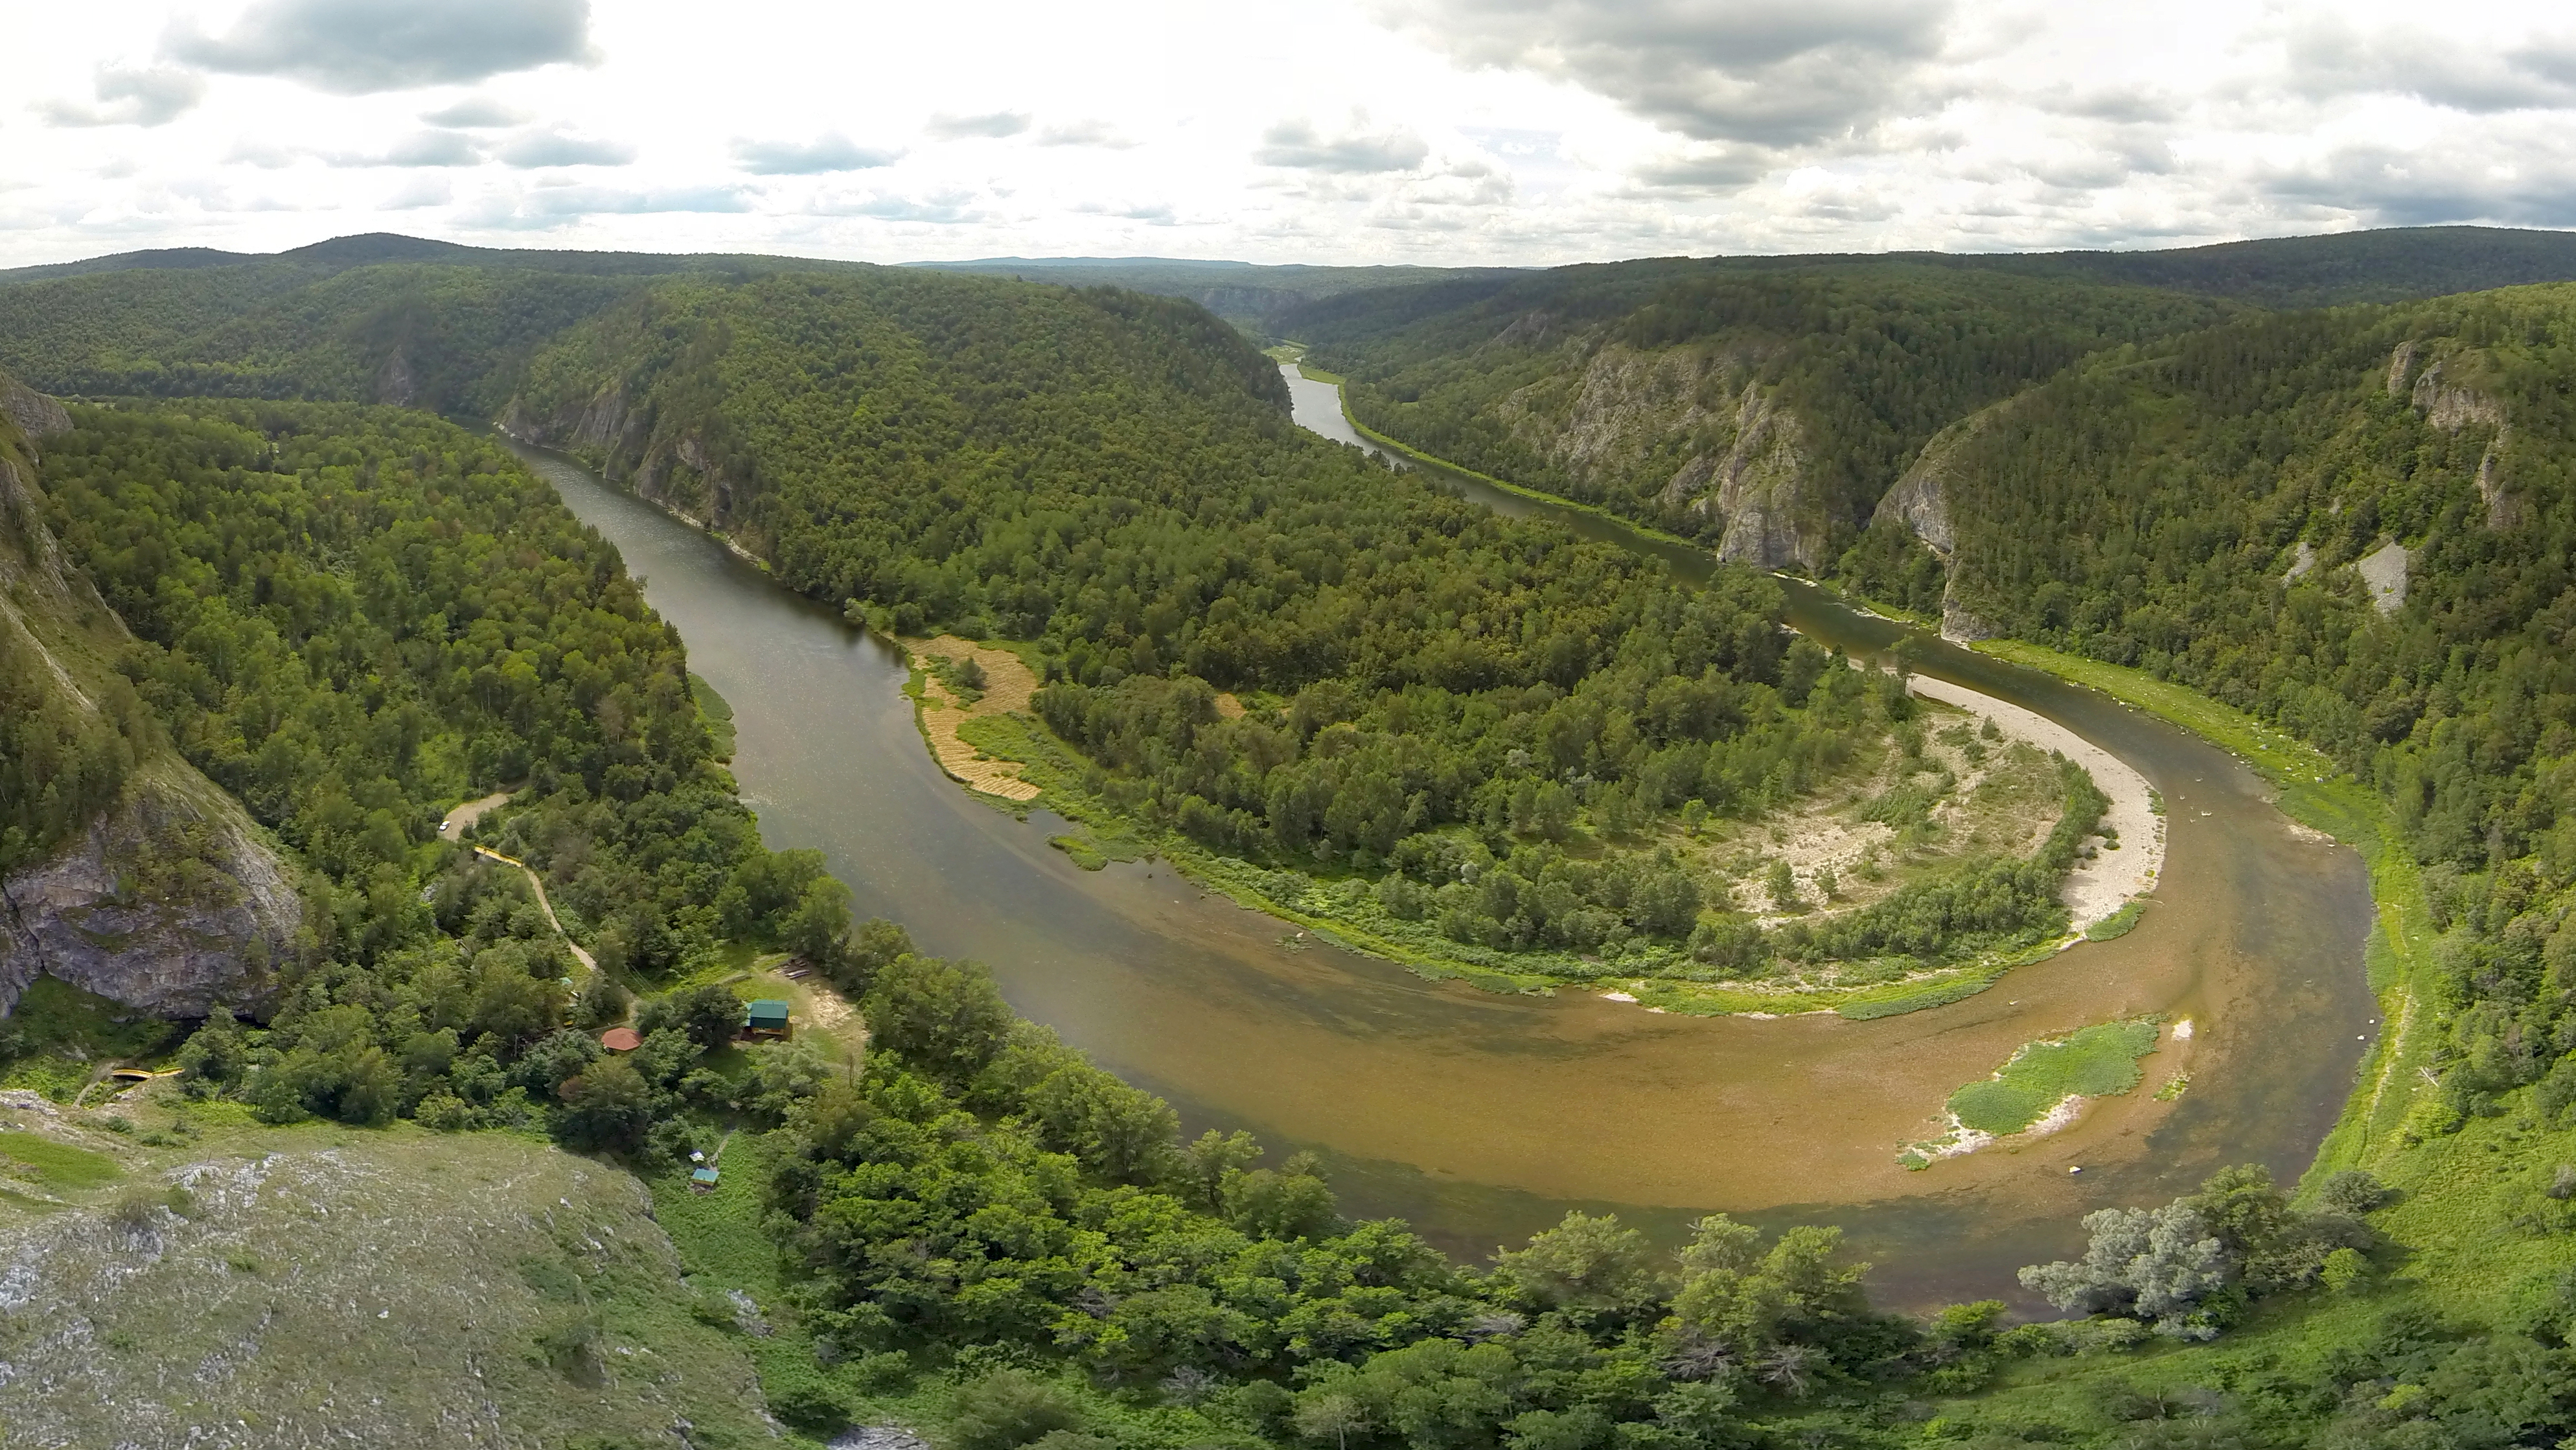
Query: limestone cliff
[[1920, 501], [2452, 397], [169, 899], [172, 902], [1694, 429], [631, 441]]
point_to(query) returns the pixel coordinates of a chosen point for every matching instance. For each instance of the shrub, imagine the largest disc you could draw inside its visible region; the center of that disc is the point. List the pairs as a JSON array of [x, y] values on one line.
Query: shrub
[[1007, 1409], [2345, 1269], [2355, 1190], [812, 1405]]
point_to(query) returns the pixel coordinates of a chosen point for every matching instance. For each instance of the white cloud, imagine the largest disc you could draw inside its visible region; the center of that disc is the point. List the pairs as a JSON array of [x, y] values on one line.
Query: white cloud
[[988, 125], [829, 152], [554, 146], [154, 96], [352, 47], [1770, 72], [1370, 130], [1297, 144], [1084, 133], [475, 112]]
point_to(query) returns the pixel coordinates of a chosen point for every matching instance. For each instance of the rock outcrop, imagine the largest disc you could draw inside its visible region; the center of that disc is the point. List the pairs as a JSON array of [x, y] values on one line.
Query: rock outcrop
[[34, 414], [172, 903], [1693, 424], [668, 462], [2451, 405], [1921, 502]]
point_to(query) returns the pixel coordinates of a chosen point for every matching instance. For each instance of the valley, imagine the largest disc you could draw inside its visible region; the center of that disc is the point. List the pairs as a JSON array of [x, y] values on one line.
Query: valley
[[1721, 895]]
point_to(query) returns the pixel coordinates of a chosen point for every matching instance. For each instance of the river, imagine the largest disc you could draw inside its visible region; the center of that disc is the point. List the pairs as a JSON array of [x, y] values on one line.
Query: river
[[1481, 1118]]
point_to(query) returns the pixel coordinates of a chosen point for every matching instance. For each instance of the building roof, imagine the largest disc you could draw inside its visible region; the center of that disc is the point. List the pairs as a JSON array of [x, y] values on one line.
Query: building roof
[[620, 1039], [767, 1009], [703, 1175]]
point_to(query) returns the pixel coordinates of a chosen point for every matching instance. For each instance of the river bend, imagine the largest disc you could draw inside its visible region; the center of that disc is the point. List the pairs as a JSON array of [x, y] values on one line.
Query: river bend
[[1482, 1118]]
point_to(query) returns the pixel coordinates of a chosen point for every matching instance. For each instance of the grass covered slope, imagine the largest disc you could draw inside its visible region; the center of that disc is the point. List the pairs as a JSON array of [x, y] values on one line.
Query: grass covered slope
[[318, 1287]]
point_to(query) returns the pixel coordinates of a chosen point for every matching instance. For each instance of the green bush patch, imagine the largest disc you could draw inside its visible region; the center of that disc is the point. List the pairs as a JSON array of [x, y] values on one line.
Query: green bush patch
[[717, 713], [2098, 1062], [1084, 854], [2119, 923]]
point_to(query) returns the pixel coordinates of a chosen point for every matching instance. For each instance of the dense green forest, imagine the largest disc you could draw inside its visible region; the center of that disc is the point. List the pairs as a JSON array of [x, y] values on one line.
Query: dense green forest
[[1441, 697], [351, 618], [1178, 523], [358, 319], [1765, 403], [354, 617], [1253, 298]]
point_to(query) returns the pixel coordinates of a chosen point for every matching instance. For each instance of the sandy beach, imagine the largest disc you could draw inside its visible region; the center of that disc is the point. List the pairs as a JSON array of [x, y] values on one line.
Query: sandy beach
[[2096, 888]]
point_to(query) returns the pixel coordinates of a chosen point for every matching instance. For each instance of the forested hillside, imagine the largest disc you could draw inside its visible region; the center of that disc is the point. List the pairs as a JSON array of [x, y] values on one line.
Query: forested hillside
[[358, 319], [1760, 410], [2361, 525], [121, 868], [354, 616], [1110, 478], [1440, 695], [1765, 404]]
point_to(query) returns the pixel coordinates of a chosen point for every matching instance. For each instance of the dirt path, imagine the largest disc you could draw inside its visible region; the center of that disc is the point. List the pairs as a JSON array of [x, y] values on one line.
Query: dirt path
[[2096, 888], [552, 920], [462, 819]]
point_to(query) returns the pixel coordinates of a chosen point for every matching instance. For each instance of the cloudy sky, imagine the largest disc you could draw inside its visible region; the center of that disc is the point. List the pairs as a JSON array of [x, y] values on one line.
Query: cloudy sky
[[1515, 131]]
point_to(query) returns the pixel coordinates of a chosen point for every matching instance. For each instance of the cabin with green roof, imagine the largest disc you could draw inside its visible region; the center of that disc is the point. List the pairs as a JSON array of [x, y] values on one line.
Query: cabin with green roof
[[766, 1018]]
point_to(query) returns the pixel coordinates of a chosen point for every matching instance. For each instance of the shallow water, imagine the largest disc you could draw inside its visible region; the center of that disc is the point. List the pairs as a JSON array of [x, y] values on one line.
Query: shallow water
[[1483, 1117]]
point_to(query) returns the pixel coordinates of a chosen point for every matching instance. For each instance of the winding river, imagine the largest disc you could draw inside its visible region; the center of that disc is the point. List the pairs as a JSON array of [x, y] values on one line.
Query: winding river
[[1482, 1118]]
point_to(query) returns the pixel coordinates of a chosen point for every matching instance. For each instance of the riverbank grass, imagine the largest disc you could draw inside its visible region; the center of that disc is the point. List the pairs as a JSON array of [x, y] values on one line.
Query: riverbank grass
[[2098, 1062], [2394, 1106]]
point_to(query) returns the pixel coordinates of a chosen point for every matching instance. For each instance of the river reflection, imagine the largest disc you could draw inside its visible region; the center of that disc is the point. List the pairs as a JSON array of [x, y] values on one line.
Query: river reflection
[[1482, 1118]]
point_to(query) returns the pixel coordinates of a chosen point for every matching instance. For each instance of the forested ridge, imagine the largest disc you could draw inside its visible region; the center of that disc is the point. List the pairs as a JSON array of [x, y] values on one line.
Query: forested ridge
[[1441, 697], [1764, 404], [357, 319], [1869, 360]]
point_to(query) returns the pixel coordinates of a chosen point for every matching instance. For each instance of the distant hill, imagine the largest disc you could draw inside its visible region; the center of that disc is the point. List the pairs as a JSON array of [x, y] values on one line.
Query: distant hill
[[373, 318], [2377, 266], [1766, 404], [1252, 297]]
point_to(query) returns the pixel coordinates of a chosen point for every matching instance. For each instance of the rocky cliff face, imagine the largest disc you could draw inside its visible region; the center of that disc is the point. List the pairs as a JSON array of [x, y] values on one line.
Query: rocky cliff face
[[630, 443], [172, 901], [1920, 501], [1693, 429], [2452, 404]]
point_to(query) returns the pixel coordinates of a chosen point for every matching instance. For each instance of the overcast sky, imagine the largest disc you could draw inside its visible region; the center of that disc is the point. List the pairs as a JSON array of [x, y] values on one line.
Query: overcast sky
[[1513, 131]]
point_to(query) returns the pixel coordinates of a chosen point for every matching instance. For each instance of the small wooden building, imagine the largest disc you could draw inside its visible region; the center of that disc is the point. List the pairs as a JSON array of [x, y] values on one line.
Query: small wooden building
[[620, 1039], [703, 1179], [766, 1018]]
